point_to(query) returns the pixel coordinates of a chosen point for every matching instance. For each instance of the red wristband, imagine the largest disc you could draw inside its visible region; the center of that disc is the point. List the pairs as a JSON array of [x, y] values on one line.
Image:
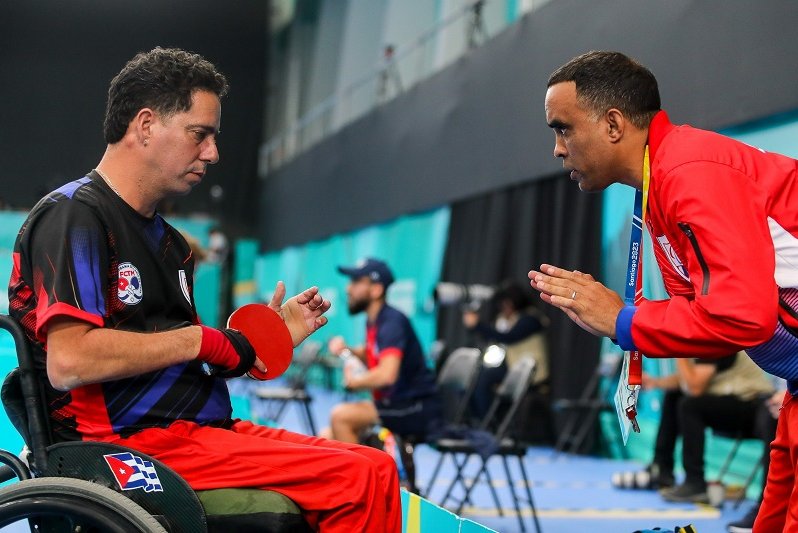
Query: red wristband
[[216, 349]]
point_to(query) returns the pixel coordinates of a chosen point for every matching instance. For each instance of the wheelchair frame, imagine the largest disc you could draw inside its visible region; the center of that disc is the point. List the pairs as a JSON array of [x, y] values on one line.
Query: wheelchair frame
[[69, 486]]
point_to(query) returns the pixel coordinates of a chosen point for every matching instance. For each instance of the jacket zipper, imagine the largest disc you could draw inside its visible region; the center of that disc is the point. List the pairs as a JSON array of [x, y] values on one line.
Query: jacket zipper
[[790, 311], [687, 230]]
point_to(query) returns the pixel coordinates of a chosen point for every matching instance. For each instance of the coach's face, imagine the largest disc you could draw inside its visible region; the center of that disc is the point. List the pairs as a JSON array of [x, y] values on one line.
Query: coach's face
[[580, 139]]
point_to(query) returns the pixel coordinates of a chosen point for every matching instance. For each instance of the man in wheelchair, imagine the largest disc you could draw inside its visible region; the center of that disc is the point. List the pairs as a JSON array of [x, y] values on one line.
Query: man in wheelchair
[[103, 288]]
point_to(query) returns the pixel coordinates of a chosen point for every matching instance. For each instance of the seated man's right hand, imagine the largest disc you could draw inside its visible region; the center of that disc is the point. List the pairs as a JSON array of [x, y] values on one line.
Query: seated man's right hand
[[228, 351]]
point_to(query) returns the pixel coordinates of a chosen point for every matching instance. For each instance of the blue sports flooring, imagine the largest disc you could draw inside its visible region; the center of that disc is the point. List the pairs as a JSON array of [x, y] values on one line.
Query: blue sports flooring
[[572, 493]]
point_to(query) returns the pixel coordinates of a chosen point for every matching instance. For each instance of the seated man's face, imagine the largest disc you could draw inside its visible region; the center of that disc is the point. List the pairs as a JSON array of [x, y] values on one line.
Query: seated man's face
[[358, 295]]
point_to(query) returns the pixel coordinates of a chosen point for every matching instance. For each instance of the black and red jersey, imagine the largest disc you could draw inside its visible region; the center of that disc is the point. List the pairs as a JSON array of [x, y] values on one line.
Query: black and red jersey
[[84, 253]]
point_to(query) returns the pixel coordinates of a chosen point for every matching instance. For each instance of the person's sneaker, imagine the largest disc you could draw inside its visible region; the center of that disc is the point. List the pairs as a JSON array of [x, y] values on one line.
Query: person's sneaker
[[686, 492], [660, 479], [746, 523]]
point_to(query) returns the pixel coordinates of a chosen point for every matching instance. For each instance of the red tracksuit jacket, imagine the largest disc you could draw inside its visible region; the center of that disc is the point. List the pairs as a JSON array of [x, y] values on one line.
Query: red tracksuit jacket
[[723, 217]]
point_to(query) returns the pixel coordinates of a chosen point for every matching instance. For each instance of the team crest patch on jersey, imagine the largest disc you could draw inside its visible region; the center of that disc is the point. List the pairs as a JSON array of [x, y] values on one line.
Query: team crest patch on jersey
[[129, 288], [132, 472], [184, 285], [677, 264]]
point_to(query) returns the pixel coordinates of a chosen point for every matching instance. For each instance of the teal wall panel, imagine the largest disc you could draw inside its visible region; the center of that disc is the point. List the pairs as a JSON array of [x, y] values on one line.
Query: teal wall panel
[[245, 267], [9, 438], [10, 222], [412, 245]]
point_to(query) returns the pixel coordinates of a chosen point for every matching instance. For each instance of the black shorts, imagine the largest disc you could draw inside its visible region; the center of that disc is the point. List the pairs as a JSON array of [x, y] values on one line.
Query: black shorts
[[415, 417]]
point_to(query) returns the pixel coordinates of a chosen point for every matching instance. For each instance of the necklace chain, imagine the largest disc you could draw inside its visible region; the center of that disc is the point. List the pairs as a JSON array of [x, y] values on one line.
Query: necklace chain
[[107, 181]]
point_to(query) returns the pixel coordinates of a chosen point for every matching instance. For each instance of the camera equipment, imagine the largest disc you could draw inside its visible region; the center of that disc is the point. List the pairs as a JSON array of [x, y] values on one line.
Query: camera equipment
[[473, 296]]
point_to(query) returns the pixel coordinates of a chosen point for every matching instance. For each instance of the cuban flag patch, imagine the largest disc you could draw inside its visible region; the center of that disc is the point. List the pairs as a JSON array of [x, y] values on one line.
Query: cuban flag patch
[[132, 472]]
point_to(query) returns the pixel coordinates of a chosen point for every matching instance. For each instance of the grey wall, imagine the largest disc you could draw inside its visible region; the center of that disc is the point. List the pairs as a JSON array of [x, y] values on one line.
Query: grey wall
[[57, 58], [479, 124]]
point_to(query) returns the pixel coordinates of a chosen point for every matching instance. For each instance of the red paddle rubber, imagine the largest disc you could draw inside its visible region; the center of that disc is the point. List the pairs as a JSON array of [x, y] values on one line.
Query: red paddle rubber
[[269, 336]]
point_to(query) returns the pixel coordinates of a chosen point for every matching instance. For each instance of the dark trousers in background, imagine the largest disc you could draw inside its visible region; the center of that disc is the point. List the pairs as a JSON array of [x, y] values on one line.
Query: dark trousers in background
[[485, 390], [417, 418], [689, 416]]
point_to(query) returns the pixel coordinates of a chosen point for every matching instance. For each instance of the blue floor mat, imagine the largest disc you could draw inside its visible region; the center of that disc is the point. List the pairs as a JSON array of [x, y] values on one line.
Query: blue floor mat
[[572, 493]]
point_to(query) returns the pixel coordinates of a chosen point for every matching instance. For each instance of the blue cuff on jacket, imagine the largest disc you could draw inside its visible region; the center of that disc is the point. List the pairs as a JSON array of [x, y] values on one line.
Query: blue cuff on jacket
[[623, 328]]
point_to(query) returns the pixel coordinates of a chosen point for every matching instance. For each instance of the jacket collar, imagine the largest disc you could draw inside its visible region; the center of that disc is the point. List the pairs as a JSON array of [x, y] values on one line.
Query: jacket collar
[[660, 126]]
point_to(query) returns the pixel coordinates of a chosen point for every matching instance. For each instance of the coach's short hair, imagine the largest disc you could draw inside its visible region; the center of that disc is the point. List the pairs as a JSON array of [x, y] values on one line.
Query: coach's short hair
[[606, 80]]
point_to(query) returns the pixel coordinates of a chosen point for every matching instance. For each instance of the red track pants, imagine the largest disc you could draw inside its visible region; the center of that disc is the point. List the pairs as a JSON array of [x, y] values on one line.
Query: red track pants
[[779, 511], [340, 487]]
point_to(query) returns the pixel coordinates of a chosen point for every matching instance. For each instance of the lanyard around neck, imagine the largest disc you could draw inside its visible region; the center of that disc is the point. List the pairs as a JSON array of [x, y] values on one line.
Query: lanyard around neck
[[634, 275]]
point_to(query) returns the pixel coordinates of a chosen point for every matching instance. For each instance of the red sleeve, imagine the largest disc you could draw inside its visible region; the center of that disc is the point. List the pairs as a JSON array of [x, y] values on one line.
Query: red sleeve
[[730, 260], [391, 352]]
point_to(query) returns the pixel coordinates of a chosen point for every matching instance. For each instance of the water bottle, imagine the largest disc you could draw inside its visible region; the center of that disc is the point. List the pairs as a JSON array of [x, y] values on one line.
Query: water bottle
[[352, 363]]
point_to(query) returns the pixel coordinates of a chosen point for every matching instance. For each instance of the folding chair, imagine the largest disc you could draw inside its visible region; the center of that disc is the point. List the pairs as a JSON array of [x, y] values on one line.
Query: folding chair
[[511, 392], [581, 415], [738, 438], [456, 382], [275, 400]]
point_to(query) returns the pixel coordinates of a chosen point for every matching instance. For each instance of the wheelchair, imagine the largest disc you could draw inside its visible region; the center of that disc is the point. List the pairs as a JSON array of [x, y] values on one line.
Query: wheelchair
[[71, 487]]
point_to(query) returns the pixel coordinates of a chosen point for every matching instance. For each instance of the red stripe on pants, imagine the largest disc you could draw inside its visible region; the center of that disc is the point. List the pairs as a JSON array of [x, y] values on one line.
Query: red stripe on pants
[[346, 487], [779, 511]]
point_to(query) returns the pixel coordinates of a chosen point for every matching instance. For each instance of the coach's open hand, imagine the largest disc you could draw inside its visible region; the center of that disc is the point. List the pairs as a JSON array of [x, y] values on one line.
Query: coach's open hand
[[587, 302], [302, 313]]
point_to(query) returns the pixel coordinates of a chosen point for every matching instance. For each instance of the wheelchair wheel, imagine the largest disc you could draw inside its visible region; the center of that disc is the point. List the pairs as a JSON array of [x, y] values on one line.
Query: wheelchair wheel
[[74, 505]]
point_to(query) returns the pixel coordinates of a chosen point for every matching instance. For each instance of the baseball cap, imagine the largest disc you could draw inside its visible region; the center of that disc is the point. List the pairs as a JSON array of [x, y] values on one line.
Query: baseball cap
[[374, 269]]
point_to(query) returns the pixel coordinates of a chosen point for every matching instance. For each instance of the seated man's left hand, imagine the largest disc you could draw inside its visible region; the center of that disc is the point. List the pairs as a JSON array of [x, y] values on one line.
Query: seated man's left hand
[[302, 313]]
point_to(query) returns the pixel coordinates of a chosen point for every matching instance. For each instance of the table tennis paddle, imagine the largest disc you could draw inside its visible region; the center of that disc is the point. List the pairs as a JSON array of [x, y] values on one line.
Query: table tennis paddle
[[266, 331]]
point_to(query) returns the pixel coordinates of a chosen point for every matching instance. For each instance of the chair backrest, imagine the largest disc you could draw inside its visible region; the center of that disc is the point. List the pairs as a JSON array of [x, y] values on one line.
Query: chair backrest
[[456, 382], [304, 359], [38, 435], [436, 349], [511, 393]]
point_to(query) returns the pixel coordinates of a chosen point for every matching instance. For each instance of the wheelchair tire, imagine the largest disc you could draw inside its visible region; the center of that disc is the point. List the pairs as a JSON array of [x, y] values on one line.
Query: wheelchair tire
[[82, 502]]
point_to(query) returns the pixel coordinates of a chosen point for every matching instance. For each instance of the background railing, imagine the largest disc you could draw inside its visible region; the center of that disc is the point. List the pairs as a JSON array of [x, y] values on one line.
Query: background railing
[[400, 69]]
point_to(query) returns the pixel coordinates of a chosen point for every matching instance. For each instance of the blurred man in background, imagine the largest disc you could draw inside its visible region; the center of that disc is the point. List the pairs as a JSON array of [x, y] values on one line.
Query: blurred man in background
[[404, 397]]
